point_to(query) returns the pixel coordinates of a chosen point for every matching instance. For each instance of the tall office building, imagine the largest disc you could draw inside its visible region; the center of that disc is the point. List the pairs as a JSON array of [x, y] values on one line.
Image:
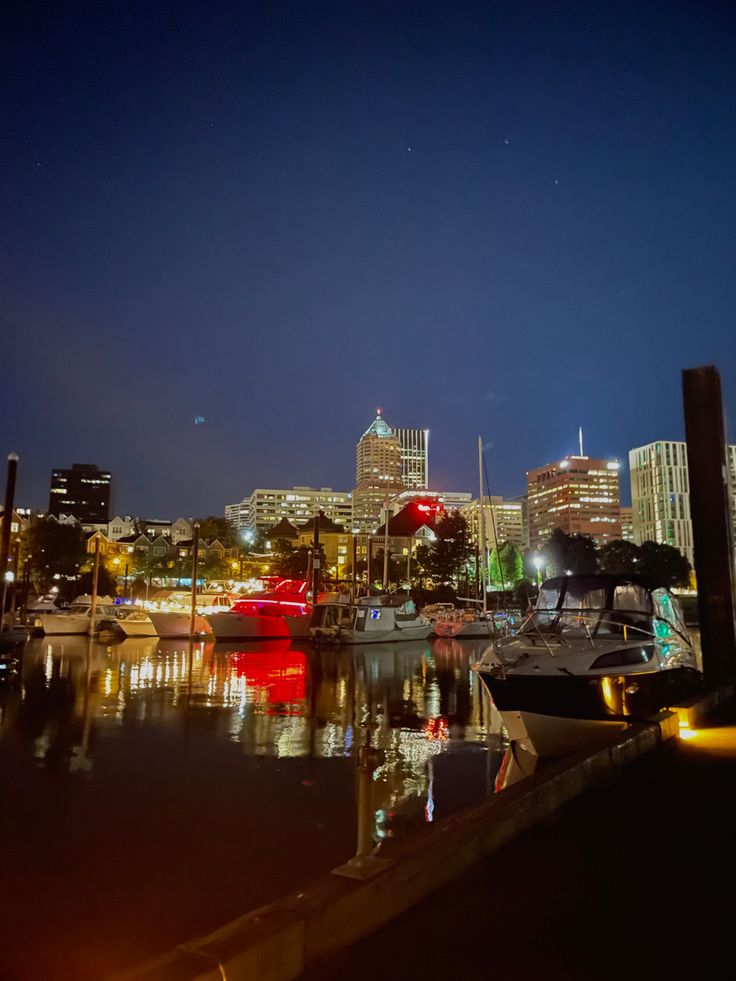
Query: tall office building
[[378, 473], [579, 494], [82, 492], [414, 457]]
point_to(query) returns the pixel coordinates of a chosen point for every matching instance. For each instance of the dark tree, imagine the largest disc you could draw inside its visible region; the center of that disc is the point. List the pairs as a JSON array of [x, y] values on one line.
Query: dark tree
[[293, 563], [53, 549], [106, 585], [619, 556], [212, 528], [396, 568], [443, 560], [565, 553], [664, 564]]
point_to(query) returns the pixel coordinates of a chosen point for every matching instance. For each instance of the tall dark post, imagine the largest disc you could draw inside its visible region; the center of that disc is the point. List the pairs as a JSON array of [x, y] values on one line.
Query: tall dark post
[[315, 559], [195, 572], [355, 564], [5, 535], [711, 516]]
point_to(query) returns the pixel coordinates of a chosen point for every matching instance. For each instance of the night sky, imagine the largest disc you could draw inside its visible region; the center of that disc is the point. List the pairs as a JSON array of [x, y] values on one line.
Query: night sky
[[504, 219]]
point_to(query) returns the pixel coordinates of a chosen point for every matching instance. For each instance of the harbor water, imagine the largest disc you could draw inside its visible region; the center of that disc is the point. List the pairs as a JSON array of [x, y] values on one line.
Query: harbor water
[[154, 790]]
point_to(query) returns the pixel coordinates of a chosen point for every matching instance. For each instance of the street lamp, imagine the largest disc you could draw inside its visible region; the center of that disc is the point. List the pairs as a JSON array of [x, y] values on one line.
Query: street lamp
[[538, 563], [116, 563]]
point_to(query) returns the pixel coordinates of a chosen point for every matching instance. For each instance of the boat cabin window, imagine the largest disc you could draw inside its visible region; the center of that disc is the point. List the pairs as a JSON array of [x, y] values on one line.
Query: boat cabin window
[[624, 658], [589, 607]]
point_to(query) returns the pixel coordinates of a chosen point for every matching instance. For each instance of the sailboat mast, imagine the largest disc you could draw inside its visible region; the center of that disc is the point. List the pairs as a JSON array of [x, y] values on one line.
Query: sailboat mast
[[482, 526]]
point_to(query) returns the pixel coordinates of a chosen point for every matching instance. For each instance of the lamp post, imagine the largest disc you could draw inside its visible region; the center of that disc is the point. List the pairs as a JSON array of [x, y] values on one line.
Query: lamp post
[[538, 563], [5, 533], [116, 564]]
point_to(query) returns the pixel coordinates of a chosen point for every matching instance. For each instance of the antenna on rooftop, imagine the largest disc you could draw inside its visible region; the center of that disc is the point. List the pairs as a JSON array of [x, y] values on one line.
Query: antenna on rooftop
[[580, 439]]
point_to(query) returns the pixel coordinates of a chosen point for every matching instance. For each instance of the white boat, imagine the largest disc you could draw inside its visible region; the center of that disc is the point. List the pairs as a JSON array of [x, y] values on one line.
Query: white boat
[[178, 623], [77, 619], [137, 623], [174, 617], [597, 653], [369, 620]]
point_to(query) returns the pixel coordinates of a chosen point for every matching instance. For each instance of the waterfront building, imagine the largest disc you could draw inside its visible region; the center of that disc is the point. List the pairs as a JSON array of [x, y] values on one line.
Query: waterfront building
[[411, 527], [627, 525], [579, 495], [504, 521], [414, 457], [120, 527], [265, 507], [82, 492], [378, 474], [336, 543]]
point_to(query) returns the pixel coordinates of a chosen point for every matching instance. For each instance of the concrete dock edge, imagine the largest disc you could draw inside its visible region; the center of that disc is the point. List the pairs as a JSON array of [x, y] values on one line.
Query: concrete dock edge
[[278, 941]]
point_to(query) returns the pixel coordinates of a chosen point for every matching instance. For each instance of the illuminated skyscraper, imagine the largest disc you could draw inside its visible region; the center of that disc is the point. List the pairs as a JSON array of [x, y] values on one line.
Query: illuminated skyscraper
[[580, 495], [414, 457], [378, 473]]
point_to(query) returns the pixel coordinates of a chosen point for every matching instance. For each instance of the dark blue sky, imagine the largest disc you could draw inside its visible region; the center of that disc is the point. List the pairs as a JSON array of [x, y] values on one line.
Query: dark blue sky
[[499, 218]]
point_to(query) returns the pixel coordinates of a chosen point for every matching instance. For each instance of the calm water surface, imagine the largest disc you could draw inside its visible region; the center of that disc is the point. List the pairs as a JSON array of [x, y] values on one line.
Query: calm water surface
[[151, 793]]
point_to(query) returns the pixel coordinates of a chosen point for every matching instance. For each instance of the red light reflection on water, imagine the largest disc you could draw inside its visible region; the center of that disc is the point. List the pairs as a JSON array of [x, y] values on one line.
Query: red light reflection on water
[[281, 675], [437, 729]]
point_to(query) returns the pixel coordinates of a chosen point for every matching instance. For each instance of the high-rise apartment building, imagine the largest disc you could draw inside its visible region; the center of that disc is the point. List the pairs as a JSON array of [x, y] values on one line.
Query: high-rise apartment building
[[414, 457], [378, 473], [579, 494], [83, 492], [660, 494], [265, 507], [504, 521]]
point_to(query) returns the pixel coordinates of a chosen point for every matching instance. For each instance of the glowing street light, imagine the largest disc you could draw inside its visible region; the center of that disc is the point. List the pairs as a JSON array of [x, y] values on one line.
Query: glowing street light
[[538, 563]]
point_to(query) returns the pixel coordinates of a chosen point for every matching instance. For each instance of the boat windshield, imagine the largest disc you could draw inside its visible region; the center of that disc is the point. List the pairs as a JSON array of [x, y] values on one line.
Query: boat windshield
[[583, 607]]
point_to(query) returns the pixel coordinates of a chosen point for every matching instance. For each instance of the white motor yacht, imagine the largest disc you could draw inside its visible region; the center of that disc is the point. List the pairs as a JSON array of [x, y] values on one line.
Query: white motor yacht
[[78, 618], [597, 653], [173, 617], [369, 620]]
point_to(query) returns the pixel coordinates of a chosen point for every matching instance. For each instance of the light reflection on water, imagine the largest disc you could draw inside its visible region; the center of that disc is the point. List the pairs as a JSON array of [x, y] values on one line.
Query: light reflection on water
[[251, 749], [413, 701]]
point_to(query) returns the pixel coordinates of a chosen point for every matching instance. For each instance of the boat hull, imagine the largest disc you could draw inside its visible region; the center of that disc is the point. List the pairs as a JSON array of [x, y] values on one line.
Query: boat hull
[[419, 632], [562, 713], [60, 624], [137, 628], [463, 628], [298, 627], [179, 624], [240, 626]]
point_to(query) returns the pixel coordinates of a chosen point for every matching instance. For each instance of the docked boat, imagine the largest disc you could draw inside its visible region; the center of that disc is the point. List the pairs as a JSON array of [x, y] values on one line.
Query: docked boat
[[369, 620], [173, 615], [597, 653], [137, 623], [262, 616], [77, 619]]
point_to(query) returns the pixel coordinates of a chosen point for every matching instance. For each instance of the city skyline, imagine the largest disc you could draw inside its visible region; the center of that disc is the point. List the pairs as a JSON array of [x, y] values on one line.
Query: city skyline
[[119, 507], [237, 228]]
